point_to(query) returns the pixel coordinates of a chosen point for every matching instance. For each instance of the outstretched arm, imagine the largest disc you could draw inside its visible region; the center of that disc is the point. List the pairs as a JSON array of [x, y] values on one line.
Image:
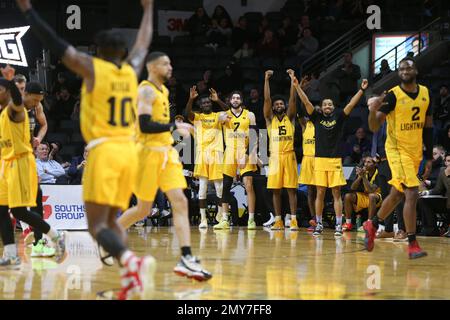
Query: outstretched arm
[[16, 111], [144, 37], [303, 97], [215, 98], [193, 94], [352, 104], [78, 62], [292, 106], [268, 113]]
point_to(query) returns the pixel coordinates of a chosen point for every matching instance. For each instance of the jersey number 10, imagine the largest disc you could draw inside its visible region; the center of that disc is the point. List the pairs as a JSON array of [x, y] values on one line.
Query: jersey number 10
[[123, 107]]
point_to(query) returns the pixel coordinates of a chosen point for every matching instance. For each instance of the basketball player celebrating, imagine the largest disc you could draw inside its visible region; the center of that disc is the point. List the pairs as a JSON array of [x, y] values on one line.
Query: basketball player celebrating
[[18, 176], [159, 163], [108, 100], [209, 148], [407, 111], [329, 128], [239, 142], [282, 162]]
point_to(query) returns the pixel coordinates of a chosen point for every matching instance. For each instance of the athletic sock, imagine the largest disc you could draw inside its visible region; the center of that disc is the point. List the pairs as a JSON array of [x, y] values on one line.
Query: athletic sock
[[203, 214], [411, 237], [125, 256], [224, 216], [339, 221], [375, 221], [251, 216], [186, 251], [349, 221], [288, 216], [277, 218], [10, 250], [319, 219]]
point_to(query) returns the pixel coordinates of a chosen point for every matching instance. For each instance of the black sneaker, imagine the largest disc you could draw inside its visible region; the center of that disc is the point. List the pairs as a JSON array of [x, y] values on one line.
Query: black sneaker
[[318, 230], [190, 267]]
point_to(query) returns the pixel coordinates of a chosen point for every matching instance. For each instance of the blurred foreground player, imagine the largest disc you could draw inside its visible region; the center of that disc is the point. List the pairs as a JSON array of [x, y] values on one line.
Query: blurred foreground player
[[108, 100]]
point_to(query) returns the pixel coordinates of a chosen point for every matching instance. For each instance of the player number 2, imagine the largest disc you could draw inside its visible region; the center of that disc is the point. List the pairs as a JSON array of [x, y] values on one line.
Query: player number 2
[[415, 116], [282, 131], [123, 108]]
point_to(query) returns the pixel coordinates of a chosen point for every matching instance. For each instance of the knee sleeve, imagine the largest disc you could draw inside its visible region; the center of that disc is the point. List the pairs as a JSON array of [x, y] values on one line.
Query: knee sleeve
[[203, 188], [226, 193]]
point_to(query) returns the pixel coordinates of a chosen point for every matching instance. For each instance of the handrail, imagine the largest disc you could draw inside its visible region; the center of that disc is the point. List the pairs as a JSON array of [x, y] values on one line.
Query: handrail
[[333, 52], [398, 52]]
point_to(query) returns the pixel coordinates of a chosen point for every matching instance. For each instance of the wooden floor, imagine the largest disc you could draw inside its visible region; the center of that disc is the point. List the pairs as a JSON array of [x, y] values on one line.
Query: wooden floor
[[246, 265]]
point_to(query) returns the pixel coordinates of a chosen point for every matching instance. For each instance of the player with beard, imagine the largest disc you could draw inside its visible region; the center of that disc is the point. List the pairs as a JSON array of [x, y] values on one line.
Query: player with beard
[[241, 135], [328, 172], [283, 173], [406, 109], [209, 147], [159, 164]]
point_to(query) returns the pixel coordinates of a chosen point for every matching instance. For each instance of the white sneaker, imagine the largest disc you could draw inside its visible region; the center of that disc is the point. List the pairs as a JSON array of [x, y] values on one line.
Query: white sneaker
[[287, 223], [203, 224], [269, 222], [165, 213]]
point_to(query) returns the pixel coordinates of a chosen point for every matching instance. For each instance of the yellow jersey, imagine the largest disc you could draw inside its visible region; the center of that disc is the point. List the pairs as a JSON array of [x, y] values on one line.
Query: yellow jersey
[[237, 131], [15, 137], [309, 140], [109, 110], [208, 132], [161, 114], [406, 114], [281, 135]]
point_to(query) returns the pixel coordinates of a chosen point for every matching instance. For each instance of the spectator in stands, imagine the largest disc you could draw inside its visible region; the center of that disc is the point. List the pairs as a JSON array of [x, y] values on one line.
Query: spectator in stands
[[255, 104], [55, 148], [177, 96], [217, 35], [444, 138], [365, 192], [437, 163], [221, 13], [77, 167], [63, 106], [306, 46], [303, 24], [49, 171], [240, 34], [244, 52], [268, 46], [385, 69], [335, 9], [229, 81], [61, 82], [263, 26], [287, 34], [75, 116], [360, 145], [441, 110], [312, 89], [348, 75], [430, 207], [198, 24]]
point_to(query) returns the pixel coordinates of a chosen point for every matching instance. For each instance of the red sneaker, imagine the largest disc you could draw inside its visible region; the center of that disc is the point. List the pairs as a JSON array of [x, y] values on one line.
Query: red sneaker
[[414, 251], [137, 278], [369, 241], [347, 227]]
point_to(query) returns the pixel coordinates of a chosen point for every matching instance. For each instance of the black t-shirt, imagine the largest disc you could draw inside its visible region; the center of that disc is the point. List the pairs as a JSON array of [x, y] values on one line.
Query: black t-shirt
[[328, 131]]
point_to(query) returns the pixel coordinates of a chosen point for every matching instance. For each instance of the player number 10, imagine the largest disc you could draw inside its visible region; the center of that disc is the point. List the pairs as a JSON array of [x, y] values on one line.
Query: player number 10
[[123, 107]]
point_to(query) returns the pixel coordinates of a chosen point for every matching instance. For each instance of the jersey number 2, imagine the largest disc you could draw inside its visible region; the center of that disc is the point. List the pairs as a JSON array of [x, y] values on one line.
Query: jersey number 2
[[123, 108], [415, 116]]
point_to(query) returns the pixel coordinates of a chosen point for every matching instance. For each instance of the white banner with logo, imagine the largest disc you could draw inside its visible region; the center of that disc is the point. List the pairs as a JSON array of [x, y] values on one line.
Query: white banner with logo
[[172, 23], [63, 207]]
